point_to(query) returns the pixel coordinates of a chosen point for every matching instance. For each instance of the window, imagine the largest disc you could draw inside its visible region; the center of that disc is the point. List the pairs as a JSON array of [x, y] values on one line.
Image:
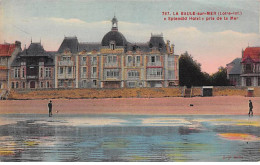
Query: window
[[84, 83], [112, 45], [157, 58], [138, 59], [41, 72], [248, 82], [112, 73], [61, 70], [23, 84], [12, 84], [47, 84], [94, 59], [171, 62], [133, 74], [69, 70], [170, 74], [84, 59], [248, 68], [131, 84], [61, 83], [17, 85], [47, 72], [23, 73], [84, 70], [16, 73], [41, 84], [70, 83], [111, 59], [66, 58], [114, 59], [94, 70], [153, 59], [129, 59], [154, 72], [95, 82]]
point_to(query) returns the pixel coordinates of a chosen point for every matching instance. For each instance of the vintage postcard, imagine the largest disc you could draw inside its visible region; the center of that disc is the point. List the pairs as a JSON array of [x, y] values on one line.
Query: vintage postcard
[[129, 81]]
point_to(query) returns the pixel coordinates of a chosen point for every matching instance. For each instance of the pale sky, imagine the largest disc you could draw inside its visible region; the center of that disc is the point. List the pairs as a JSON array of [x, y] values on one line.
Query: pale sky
[[211, 43]]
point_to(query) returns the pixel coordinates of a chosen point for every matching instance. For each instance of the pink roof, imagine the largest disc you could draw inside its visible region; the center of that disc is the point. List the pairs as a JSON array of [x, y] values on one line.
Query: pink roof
[[252, 53], [7, 49]]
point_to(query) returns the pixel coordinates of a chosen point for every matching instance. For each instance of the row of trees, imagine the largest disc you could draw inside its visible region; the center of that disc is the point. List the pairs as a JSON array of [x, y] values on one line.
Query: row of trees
[[191, 74]]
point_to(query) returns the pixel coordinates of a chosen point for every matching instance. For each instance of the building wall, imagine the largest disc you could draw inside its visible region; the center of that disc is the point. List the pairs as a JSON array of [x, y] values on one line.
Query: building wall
[[67, 70], [250, 74]]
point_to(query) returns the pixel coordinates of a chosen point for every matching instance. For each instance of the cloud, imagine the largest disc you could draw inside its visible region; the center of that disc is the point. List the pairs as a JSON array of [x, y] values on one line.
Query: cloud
[[211, 49], [72, 20]]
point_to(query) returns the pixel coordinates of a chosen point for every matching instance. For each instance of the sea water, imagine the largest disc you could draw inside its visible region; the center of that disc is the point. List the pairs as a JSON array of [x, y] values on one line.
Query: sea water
[[134, 138]]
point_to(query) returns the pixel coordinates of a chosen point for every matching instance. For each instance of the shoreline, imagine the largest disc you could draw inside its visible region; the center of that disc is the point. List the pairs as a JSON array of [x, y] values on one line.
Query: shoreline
[[216, 105]]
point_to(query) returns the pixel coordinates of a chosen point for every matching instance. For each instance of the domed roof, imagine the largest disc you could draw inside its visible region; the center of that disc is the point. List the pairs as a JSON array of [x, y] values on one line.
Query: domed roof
[[115, 36]]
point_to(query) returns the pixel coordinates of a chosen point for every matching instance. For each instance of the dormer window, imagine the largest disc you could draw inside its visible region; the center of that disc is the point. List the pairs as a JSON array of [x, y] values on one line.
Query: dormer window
[[65, 58], [112, 45]]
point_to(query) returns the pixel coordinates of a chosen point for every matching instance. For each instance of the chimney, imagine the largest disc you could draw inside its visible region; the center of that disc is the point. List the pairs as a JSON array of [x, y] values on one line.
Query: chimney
[[172, 49], [18, 44], [168, 46]]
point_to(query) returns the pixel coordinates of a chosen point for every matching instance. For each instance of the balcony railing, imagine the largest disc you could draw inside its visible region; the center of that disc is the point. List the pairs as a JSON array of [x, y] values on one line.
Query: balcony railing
[[93, 62], [133, 78], [154, 77], [83, 63], [111, 64], [158, 63], [112, 78], [66, 76], [31, 77], [83, 75], [66, 63], [93, 75]]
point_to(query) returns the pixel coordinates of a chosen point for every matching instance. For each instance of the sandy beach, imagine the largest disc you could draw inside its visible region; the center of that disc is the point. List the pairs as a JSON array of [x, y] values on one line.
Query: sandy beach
[[220, 105]]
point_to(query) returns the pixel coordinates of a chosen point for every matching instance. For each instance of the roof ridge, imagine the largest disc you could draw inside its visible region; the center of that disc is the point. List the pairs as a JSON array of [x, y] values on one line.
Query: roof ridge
[[89, 42]]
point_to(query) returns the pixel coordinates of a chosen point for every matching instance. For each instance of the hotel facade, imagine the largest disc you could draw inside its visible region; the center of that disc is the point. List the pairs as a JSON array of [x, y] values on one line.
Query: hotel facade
[[116, 63], [112, 63]]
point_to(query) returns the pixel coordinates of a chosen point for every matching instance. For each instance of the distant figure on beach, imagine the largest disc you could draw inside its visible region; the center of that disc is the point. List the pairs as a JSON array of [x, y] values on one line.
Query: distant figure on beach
[[50, 108], [250, 108]]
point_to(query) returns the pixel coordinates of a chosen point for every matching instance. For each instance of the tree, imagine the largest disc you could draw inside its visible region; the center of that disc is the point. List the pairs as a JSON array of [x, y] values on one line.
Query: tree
[[220, 77], [190, 72]]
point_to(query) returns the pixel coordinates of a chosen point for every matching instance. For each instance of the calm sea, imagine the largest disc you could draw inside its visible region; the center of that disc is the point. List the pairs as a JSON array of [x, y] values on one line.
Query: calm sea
[[134, 138]]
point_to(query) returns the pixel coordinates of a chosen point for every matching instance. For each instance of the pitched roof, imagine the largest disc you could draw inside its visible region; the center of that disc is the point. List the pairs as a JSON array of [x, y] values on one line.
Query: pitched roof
[[69, 43], [252, 53], [35, 49], [157, 42], [89, 46], [7, 49], [144, 46], [235, 66]]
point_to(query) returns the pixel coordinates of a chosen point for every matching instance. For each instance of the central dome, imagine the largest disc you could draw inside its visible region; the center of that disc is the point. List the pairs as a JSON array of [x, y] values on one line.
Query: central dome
[[114, 36]]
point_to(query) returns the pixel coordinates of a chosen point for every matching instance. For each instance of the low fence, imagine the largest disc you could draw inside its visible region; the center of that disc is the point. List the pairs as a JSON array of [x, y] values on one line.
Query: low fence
[[126, 93]]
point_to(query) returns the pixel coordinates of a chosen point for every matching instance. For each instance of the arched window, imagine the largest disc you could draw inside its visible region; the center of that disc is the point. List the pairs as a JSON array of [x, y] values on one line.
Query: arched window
[[41, 72], [23, 72], [112, 45]]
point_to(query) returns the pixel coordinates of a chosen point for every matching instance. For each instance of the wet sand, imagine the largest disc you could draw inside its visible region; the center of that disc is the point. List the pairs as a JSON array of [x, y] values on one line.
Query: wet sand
[[219, 105]]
